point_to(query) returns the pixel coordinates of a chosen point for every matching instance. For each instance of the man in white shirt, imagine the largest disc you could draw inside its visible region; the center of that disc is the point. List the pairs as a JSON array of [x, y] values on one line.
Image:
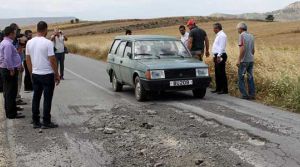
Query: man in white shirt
[[42, 65], [220, 58], [59, 39], [184, 35]]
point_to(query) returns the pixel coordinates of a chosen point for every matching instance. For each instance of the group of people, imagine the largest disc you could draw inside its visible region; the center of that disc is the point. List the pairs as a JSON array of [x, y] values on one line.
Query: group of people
[[12, 67], [197, 42], [39, 58]]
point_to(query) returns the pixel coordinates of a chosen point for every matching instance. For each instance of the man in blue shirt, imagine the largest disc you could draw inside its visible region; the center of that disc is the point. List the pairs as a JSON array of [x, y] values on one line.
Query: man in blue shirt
[[10, 63]]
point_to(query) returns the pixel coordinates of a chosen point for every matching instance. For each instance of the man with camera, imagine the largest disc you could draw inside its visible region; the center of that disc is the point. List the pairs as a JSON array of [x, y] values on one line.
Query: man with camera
[[20, 44], [10, 65], [59, 39]]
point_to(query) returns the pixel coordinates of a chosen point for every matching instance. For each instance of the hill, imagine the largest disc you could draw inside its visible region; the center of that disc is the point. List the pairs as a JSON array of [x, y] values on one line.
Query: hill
[[33, 20], [289, 13], [114, 26]]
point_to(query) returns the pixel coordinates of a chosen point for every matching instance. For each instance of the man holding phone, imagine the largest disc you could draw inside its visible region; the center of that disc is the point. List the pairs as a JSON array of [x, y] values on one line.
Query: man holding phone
[[59, 39], [41, 63]]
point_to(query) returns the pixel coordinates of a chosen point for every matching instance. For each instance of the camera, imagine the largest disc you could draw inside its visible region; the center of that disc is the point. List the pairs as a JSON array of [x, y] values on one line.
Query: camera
[[22, 40], [1, 36]]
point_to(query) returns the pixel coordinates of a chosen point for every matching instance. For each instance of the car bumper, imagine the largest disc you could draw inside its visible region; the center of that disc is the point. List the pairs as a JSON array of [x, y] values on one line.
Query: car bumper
[[162, 85]]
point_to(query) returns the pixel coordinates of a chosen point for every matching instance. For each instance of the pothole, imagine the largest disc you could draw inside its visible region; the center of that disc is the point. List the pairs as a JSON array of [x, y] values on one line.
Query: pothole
[[256, 142]]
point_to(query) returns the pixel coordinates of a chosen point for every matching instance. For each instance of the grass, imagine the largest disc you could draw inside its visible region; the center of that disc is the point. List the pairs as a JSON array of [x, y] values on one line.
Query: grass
[[277, 60]]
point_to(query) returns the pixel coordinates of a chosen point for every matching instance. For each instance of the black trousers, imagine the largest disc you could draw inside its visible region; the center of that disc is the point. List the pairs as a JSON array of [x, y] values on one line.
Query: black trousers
[[1, 83], [60, 57], [27, 79], [10, 90], [220, 74], [42, 84]]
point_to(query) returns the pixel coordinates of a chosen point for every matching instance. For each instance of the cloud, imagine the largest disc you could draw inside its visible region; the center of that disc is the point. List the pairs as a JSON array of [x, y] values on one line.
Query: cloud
[[113, 9]]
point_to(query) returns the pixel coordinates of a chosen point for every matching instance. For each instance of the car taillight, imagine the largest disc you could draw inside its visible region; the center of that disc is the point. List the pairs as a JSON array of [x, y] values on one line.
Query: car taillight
[[148, 75]]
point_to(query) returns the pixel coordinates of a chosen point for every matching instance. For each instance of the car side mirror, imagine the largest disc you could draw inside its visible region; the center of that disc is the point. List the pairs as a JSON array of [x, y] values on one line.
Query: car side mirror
[[129, 55]]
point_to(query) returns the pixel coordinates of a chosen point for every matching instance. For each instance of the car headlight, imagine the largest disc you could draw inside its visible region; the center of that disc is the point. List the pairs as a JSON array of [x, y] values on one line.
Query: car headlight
[[157, 74], [202, 72]]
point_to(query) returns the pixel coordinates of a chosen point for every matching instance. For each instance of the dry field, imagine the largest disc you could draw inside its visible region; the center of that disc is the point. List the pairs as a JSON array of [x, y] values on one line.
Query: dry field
[[277, 68]]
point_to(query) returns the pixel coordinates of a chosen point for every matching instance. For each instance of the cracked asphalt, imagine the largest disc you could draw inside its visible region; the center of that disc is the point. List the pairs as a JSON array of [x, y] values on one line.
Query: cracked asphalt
[[99, 127]]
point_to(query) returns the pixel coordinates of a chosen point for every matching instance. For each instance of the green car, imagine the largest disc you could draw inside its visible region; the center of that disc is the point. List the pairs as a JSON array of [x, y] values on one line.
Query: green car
[[155, 64]]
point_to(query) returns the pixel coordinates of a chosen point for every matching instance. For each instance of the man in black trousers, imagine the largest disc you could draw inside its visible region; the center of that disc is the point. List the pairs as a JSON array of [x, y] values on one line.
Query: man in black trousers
[[27, 79], [220, 58], [10, 64], [41, 63]]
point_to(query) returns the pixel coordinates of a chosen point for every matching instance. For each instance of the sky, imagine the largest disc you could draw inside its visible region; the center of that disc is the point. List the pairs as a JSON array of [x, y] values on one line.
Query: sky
[[121, 9]]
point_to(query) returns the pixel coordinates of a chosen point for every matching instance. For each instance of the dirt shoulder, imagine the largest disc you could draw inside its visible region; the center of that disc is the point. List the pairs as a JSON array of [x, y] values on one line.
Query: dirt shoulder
[[4, 146]]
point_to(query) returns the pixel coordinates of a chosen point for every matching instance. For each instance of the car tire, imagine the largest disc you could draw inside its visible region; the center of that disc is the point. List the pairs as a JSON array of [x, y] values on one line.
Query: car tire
[[199, 93], [140, 92], [116, 85]]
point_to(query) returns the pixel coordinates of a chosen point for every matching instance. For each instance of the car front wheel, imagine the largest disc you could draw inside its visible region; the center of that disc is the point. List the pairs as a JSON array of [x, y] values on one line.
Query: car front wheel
[[199, 93], [117, 86], [140, 92]]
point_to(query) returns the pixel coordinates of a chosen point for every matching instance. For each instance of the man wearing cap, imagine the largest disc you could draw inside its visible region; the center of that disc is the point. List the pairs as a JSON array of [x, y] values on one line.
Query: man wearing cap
[[197, 39], [220, 58], [245, 62]]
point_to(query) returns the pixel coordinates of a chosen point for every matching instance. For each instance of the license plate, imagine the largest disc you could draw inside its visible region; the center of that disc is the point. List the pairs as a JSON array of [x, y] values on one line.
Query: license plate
[[181, 83]]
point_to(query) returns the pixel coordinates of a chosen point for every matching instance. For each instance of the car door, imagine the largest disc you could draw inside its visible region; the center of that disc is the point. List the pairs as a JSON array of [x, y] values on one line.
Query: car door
[[127, 64], [118, 60]]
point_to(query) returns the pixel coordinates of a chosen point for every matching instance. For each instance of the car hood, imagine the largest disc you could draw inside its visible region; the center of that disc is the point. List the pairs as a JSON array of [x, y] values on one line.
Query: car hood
[[172, 63]]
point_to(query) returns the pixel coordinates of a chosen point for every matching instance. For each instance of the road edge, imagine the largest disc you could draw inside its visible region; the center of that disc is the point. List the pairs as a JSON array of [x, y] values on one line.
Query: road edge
[[6, 155]]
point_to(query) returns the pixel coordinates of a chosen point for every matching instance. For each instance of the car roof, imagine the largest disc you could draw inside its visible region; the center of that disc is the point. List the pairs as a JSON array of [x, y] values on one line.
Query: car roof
[[146, 37]]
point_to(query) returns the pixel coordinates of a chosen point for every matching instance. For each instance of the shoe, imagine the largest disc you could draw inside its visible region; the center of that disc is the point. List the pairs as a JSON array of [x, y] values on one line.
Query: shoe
[[222, 93], [251, 98], [245, 97], [215, 91], [18, 116], [21, 102], [20, 108], [49, 126], [62, 78], [36, 125]]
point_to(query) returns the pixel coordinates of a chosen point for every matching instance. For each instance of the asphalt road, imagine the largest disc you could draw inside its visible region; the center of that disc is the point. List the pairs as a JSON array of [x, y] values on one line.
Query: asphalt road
[[101, 128]]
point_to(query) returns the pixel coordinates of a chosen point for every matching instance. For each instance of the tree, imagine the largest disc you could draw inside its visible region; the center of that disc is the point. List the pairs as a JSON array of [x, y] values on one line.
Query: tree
[[77, 20], [270, 18], [72, 21]]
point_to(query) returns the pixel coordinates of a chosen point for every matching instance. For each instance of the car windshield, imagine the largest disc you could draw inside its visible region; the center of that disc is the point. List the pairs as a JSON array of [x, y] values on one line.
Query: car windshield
[[159, 49]]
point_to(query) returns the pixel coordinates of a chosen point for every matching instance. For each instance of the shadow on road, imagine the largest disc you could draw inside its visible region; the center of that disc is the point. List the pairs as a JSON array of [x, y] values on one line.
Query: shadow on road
[[164, 96]]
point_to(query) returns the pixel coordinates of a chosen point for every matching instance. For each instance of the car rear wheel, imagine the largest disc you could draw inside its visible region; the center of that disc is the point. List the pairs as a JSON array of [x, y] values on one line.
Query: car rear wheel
[[117, 86], [199, 93], [140, 92]]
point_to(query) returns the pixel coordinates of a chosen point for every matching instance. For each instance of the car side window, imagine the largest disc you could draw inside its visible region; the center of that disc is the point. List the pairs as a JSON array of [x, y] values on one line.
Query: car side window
[[128, 49], [115, 46], [121, 49]]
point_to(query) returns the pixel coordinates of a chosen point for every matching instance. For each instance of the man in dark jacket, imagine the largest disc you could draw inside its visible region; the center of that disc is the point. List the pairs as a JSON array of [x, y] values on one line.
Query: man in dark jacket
[[197, 40]]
